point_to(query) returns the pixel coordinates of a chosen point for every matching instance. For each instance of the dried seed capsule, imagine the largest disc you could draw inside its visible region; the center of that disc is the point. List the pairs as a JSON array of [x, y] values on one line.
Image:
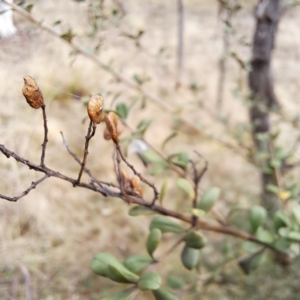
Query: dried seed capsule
[[94, 109], [111, 121], [125, 180], [136, 185], [107, 135], [32, 93]]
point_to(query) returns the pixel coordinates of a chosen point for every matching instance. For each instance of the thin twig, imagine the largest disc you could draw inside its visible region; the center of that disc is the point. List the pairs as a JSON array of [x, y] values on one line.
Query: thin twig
[[156, 193], [197, 179], [26, 192], [227, 10], [87, 171], [45, 136], [170, 250], [180, 14], [90, 134]]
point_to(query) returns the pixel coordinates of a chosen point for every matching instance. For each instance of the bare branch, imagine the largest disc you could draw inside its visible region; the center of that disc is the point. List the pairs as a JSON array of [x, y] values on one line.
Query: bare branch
[[26, 192], [90, 134], [156, 193], [200, 224], [45, 136]]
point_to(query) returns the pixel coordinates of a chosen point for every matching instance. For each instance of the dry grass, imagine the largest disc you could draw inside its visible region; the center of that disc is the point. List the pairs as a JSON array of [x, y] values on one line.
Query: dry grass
[[55, 231]]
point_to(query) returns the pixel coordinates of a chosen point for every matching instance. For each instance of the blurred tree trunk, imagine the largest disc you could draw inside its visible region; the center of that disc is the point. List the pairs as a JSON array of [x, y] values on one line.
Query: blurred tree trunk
[[263, 98]]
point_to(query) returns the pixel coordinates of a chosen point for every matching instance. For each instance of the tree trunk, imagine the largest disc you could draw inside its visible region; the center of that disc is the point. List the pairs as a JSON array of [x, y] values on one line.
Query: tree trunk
[[262, 97]]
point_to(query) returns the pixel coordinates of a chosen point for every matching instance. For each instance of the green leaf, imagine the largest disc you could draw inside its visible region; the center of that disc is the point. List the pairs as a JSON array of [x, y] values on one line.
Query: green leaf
[[149, 281], [294, 236], [165, 225], [162, 294], [68, 36], [168, 138], [175, 282], [283, 232], [28, 7], [186, 186], [143, 126], [106, 265], [152, 157], [123, 295], [163, 191], [182, 160], [158, 169], [190, 257], [264, 235], [195, 240], [209, 198], [122, 110], [139, 210], [272, 188], [257, 215], [280, 219], [136, 263], [296, 213], [252, 262], [153, 240]]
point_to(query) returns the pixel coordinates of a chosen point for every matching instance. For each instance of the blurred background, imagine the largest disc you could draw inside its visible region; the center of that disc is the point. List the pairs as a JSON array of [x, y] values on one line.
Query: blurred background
[[48, 238]]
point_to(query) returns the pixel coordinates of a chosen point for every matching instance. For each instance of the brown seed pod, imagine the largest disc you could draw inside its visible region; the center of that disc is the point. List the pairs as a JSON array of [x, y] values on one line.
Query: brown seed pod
[[125, 180], [111, 121], [136, 185], [120, 129], [94, 109], [32, 93]]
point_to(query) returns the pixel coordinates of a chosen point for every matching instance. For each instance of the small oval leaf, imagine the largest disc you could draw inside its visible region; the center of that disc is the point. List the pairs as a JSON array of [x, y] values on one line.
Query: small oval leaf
[[122, 110], [149, 281], [163, 190], [140, 211], [257, 215], [195, 240], [175, 282], [107, 265], [136, 263], [121, 295], [151, 156], [187, 187], [165, 225], [280, 219], [251, 262], [209, 198], [153, 240], [190, 257], [162, 294]]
